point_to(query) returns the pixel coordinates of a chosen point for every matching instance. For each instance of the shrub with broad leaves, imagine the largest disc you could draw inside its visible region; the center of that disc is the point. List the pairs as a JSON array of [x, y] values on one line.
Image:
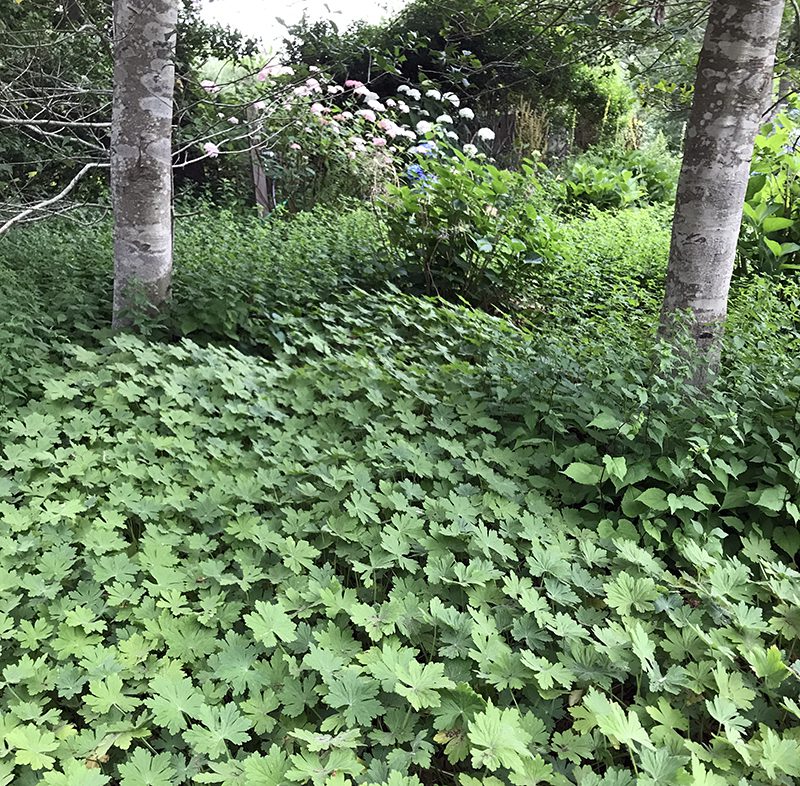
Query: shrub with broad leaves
[[463, 228]]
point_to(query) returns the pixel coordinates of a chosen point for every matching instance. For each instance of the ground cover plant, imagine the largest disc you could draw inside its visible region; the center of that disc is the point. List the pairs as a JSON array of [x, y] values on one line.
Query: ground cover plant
[[404, 428], [404, 489], [455, 556]]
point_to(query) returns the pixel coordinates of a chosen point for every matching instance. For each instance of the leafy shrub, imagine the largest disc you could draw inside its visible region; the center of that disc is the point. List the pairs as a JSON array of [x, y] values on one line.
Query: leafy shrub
[[770, 237], [466, 229], [463, 555], [592, 180], [319, 141], [618, 178]]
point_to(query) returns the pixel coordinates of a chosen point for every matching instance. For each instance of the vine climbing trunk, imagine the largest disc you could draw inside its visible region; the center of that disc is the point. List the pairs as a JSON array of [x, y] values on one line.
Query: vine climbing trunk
[[141, 154], [734, 78]]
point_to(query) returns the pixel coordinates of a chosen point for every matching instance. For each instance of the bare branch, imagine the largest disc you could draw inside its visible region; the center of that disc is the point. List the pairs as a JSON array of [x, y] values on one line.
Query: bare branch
[[52, 200], [14, 121]]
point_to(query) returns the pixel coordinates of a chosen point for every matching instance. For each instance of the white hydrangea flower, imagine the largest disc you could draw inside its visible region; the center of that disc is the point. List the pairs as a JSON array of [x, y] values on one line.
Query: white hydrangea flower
[[423, 127], [452, 98], [486, 134], [434, 94], [466, 112], [365, 93], [444, 119], [470, 150]]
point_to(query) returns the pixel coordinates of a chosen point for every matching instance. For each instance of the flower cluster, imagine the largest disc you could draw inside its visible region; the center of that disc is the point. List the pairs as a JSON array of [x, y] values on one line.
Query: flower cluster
[[312, 118]]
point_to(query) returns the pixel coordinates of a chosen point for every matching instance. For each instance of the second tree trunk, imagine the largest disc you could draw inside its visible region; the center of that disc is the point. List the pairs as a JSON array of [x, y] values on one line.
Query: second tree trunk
[[734, 79]]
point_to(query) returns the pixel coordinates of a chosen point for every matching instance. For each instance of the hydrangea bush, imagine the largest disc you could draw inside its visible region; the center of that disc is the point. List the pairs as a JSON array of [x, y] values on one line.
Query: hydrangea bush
[[465, 229], [318, 138]]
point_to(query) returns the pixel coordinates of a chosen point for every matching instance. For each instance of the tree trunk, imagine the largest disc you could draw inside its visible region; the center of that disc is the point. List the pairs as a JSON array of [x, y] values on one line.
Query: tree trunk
[[734, 76], [260, 180], [141, 154]]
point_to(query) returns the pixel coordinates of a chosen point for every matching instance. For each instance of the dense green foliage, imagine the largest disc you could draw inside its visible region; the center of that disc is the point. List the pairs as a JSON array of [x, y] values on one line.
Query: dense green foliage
[[483, 50], [770, 236], [232, 272], [465, 229], [313, 525], [56, 65], [618, 177], [379, 539]]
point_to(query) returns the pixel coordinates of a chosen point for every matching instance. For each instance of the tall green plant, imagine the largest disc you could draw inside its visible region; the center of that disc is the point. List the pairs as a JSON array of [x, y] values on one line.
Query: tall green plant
[[466, 229], [770, 238]]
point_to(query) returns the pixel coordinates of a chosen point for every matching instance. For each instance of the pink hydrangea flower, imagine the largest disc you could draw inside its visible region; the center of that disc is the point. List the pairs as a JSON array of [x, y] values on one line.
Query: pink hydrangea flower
[[378, 141], [212, 151], [389, 126], [317, 108], [367, 114], [353, 83], [209, 86], [295, 146]]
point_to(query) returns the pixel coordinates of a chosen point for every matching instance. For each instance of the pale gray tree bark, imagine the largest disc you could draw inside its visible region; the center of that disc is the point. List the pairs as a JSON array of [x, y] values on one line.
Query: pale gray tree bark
[[734, 77], [141, 153]]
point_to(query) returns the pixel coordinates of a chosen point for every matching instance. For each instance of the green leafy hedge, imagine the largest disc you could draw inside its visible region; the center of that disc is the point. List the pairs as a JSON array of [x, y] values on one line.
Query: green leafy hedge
[[458, 556]]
